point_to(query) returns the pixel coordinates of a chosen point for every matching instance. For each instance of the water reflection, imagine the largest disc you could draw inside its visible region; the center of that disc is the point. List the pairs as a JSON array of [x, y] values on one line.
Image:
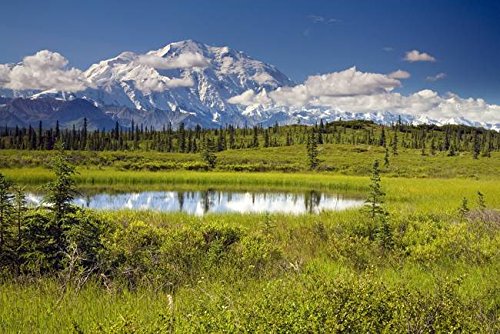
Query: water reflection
[[211, 201]]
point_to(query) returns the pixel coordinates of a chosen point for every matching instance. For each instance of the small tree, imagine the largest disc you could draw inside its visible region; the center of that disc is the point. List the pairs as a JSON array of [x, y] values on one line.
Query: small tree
[[208, 153], [61, 191], [481, 203], [255, 141], [312, 150], [395, 142], [386, 158], [19, 214], [433, 146], [376, 197], [377, 213], [382, 139], [464, 208], [476, 146], [6, 209]]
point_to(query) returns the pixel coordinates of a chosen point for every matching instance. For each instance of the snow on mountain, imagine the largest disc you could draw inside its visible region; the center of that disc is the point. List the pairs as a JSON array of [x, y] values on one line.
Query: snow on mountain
[[195, 83], [163, 80]]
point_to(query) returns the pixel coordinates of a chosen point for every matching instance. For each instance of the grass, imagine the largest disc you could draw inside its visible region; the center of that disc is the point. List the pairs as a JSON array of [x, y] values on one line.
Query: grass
[[329, 272], [329, 277], [408, 194], [339, 159]]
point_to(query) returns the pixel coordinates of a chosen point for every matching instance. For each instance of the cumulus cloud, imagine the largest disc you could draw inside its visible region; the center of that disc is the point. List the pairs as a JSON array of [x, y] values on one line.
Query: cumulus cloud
[[185, 60], [41, 71], [350, 82], [415, 55], [249, 97], [436, 77], [358, 92], [263, 77], [399, 74]]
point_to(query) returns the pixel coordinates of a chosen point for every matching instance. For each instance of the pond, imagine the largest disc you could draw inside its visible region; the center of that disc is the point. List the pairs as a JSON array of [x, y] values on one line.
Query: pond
[[213, 201]]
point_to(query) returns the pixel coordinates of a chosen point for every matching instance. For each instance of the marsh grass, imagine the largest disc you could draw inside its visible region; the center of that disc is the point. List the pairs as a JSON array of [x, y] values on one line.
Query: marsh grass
[[278, 273]]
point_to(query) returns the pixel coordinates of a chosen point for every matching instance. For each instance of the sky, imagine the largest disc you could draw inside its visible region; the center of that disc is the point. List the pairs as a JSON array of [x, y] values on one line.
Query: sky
[[443, 45]]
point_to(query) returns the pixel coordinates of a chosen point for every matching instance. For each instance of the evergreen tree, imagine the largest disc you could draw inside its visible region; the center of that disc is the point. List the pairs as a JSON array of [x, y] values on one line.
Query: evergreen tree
[[312, 150], [6, 209], [480, 201], [255, 142], [386, 158], [476, 146], [208, 153], [182, 138], [395, 142], [266, 138], [61, 191], [376, 197], [382, 139], [232, 141], [19, 209]]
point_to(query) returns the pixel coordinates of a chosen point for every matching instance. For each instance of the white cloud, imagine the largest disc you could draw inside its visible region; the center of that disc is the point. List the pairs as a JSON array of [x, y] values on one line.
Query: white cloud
[[249, 97], [358, 92], [263, 77], [162, 83], [415, 55], [41, 71], [399, 74], [436, 77], [185, 60], [350, 82]]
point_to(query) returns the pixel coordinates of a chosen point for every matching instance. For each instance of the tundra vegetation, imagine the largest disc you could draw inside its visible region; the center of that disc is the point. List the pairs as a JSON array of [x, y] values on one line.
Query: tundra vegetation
[[421, 256]]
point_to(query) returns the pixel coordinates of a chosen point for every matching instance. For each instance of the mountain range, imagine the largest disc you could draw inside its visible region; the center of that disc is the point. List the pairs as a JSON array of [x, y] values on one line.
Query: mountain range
[[186, 81]]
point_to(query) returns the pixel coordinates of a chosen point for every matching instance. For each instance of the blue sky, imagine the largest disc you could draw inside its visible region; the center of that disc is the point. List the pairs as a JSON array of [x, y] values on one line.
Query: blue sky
[[301, 38]]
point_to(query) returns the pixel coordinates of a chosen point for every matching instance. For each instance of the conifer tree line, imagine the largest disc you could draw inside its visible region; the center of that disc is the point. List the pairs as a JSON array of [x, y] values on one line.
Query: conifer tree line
[[429, 139]]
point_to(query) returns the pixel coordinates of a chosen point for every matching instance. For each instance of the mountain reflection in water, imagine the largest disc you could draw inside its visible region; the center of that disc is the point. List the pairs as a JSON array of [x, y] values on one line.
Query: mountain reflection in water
[[211, 201]]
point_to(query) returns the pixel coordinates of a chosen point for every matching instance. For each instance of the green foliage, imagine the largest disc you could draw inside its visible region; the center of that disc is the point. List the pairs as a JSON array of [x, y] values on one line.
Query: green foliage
[[376, 197], [481, 203], [6, 209], [61, 191], [208, 153], [419, 270], [386, 157], [312, 150], [464, 208]]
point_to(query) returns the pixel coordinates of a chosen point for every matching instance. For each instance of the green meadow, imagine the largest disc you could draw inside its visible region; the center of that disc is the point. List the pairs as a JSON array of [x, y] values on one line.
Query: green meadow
[[430, 263]]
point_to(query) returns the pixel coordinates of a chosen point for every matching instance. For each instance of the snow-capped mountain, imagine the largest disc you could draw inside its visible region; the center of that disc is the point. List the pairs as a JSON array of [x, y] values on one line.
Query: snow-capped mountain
[[187, 82]]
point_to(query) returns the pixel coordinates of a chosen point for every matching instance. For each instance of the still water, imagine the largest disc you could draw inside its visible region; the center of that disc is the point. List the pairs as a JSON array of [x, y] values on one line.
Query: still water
[[212, 201]]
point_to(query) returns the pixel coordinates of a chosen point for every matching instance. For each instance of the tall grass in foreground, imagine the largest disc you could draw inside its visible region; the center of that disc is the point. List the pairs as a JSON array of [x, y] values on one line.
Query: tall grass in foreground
[[273, 273]]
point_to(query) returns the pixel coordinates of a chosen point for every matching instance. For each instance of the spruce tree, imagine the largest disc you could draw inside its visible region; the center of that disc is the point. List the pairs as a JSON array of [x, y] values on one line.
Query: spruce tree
[[255, 142], [208, 153], [395, 142], [6, 209], [312, 150], [382, 139], [476, 146], [386, 158], [376, 196], [61, 191], [480, 201]]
